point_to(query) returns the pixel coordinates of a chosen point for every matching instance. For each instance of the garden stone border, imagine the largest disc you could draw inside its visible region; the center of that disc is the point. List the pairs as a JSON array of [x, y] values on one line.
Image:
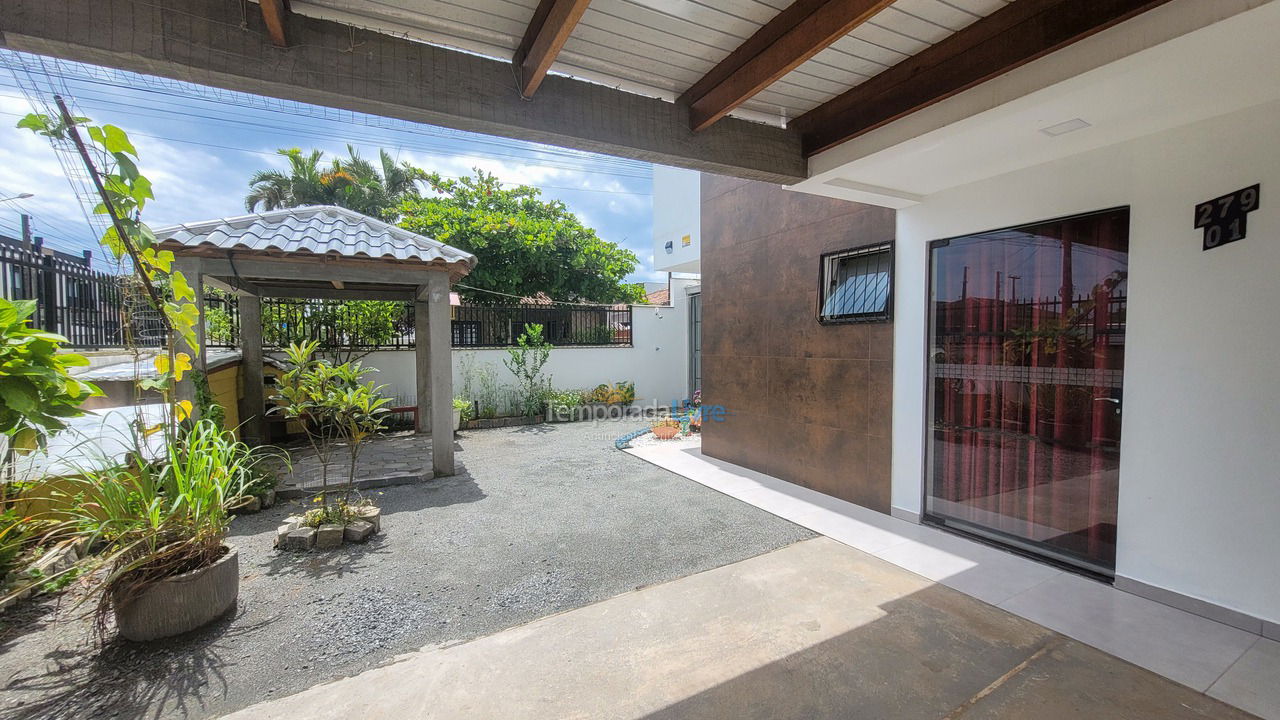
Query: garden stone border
[[293, 536]]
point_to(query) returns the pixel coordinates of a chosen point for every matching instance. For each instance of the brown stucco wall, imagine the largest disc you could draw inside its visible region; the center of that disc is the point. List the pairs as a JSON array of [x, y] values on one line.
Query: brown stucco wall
[[805, 402]]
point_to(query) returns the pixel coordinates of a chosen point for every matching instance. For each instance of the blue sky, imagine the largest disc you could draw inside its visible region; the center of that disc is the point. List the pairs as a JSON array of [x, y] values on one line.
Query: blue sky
[[199, 148]]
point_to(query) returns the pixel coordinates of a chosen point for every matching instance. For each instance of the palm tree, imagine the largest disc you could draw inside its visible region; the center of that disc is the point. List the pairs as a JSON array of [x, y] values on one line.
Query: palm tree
[[304, 184], [352, 182]]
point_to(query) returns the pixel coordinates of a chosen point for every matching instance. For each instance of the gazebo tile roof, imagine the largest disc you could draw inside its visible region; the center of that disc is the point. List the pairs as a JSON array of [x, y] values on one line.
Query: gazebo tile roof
[[315, 229]]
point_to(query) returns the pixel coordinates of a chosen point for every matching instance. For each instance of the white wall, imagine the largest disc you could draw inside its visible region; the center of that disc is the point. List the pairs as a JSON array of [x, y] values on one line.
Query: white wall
[[657, 361], [677, 213], [1200, 445]]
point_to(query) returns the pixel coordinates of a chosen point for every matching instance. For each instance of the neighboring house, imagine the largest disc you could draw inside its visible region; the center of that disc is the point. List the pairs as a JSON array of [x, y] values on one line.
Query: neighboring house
[[677, 248], [1040, 312]]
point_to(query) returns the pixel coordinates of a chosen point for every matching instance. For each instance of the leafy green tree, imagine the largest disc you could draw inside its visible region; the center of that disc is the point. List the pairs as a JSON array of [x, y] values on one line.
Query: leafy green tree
[[351, 182], [524, 244]]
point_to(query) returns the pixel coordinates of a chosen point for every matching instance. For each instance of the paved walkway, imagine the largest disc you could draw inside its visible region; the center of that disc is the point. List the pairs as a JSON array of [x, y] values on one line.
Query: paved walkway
[[400, 455], [1227, 662], [815, 630]]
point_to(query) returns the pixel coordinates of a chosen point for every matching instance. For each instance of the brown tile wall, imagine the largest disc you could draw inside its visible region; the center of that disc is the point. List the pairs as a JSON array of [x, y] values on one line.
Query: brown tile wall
[[805, 402]]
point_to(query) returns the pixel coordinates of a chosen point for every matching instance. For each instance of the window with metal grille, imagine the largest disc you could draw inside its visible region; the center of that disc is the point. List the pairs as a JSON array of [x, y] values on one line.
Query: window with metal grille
[[857, 285], [466, 332]]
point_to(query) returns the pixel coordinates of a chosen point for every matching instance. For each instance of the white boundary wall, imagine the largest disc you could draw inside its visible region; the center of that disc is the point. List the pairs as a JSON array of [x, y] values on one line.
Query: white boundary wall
[[657, 362], [1200, 445]]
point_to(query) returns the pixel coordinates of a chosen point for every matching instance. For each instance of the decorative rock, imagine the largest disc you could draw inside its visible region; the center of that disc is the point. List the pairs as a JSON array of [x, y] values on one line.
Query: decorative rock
[[248, 504], [302, 539], [268, 498], [282, 532], [328, 537], [371, 515], [358, 531], [60, 558]]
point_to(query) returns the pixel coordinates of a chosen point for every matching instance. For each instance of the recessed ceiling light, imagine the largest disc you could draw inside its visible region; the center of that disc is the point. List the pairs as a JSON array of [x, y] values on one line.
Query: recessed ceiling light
[[1063, 128]]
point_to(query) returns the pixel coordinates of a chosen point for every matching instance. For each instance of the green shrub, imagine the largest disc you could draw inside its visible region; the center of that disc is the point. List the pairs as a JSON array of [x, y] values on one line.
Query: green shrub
[[37, 392], [623, 393], [597, 335], [526, 361]]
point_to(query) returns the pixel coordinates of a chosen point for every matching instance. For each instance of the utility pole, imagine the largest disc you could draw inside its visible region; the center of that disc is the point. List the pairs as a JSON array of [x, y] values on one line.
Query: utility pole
[[26, 232]]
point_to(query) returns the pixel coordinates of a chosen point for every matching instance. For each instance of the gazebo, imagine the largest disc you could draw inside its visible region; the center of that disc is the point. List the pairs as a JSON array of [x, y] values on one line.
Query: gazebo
[[327, 252]]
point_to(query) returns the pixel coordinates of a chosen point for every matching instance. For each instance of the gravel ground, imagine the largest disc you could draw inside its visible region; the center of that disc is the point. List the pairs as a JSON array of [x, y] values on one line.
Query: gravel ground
[[542, 519]]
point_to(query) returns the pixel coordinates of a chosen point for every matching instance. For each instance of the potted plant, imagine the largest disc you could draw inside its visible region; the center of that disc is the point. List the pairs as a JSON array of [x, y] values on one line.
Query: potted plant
[[159, 528], [461, 409], [666, 428]]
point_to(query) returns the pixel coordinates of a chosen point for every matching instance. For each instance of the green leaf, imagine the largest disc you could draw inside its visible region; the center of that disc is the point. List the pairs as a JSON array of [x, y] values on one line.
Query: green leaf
[[25, 309], [142, 190], [111, 239], [159, 383], [181, 288], [72, 360], [126, 167], [8, 314], [35, 123], [19, 394], [116, 141]]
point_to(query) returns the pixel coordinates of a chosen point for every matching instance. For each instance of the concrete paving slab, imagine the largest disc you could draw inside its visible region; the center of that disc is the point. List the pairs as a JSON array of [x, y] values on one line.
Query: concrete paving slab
[[814, 630], [1251, 683]]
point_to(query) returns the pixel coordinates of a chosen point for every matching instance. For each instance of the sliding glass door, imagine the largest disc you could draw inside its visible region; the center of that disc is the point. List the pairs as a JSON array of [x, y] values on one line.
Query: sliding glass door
[[1026, 360]]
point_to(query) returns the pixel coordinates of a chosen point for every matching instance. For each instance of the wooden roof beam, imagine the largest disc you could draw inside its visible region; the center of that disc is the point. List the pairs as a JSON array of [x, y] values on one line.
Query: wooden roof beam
[[552, 23], [1016, 34], [273, 14], [793, 36]]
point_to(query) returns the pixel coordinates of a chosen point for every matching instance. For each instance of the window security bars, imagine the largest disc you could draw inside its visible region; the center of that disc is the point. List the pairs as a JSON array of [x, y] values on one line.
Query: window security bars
[[857, 285]]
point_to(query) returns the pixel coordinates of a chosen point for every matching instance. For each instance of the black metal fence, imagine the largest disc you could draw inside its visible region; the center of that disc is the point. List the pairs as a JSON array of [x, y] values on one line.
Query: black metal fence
[[565, 325], [72, 299], [389, 325], [99, 310]]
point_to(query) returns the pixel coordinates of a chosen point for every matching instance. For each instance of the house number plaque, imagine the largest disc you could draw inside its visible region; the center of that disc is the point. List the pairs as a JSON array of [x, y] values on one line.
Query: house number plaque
[[1225, 219]]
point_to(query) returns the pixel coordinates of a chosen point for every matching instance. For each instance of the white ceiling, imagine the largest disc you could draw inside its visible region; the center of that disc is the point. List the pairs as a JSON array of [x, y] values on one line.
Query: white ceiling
[[1200, 60], [661, 47]]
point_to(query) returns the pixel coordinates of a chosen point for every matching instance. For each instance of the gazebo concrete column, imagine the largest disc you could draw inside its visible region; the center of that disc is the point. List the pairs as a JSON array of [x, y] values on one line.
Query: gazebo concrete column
[[252, 401], [434, 360]]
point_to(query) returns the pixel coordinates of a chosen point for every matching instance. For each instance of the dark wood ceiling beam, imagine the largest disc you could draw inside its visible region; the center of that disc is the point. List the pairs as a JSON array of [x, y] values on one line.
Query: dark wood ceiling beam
[[273, 14], [1013, 36], [796, 34], [552, 23]]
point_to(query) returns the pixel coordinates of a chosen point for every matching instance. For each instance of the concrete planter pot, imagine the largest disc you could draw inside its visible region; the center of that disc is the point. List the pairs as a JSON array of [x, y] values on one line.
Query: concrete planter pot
[[457, 419], [181, 603], [665, 432]]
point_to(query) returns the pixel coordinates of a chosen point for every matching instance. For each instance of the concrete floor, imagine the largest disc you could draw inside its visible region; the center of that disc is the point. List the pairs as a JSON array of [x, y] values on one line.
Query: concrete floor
[[1231, 663], [814, 630], [540, 520]]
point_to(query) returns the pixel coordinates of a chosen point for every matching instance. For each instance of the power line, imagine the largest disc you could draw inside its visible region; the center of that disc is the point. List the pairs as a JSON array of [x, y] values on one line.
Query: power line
[[225, 99], [267, 153]]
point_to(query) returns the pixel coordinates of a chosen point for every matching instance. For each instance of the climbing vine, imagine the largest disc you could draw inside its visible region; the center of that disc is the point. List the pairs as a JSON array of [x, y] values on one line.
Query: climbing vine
[[124, 192]]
